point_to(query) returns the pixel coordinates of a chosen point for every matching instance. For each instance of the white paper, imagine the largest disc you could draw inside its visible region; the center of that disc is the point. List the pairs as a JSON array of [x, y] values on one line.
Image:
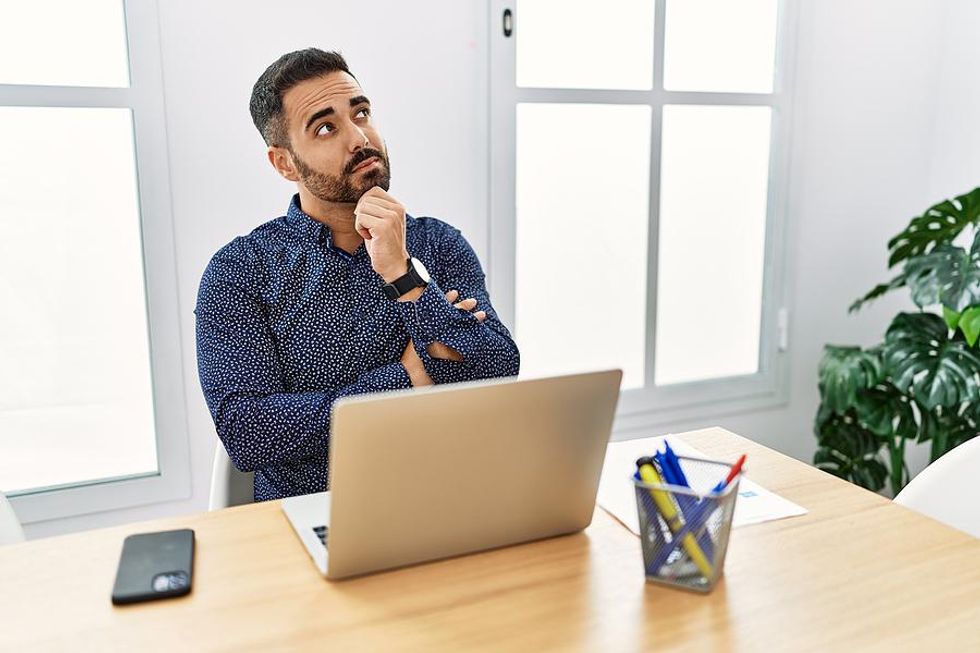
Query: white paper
[[754, 505]]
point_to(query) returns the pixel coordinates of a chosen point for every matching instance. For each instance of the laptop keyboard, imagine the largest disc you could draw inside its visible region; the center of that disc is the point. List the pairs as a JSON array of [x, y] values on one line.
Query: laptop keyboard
[[321, 532]]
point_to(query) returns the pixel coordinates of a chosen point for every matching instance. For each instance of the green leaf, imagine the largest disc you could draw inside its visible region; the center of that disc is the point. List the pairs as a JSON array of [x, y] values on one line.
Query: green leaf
[[843, 372], [921, 359], [941, 223], [877, 292], [847, 450], [886, 412], [824, 415], [951, 317], [970, 324], [948, 428], [948, 275]]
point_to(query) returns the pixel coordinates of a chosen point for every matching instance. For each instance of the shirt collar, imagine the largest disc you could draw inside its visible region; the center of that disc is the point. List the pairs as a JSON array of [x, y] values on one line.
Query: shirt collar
[[307, 226], [314, 229]]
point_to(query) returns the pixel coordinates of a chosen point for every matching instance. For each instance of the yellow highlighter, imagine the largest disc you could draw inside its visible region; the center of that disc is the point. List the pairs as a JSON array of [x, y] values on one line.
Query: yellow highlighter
[[648, 473]]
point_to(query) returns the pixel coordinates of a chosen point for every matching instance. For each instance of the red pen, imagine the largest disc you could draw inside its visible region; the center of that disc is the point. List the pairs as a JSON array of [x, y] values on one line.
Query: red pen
[[736, 468]]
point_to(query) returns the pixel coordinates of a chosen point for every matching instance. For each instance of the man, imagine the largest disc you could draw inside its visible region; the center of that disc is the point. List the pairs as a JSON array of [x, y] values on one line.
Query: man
[[346, 294]]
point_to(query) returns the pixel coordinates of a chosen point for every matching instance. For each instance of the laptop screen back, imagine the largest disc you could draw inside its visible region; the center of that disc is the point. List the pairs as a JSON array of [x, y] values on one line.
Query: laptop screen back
[[438, 472]]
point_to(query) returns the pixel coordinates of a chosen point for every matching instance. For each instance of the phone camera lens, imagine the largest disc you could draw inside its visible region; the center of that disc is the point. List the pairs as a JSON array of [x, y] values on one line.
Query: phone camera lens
[[172, 580]]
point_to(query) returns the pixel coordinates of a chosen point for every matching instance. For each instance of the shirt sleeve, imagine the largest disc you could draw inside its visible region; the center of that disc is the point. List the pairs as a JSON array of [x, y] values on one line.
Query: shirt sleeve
[[257, 420], [487, 348]]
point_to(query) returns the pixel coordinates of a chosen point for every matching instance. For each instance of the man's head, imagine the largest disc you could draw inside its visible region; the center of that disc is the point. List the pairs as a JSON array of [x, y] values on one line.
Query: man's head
[[314, 117]]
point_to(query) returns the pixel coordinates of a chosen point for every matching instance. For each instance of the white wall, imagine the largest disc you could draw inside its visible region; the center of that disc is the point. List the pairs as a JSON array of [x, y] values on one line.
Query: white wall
[[956, 139], [883, 128]]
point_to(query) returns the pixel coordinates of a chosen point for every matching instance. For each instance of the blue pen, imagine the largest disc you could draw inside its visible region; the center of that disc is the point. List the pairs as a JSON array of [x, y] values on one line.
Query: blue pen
[[666, 471], [690, 506], [672, 460]]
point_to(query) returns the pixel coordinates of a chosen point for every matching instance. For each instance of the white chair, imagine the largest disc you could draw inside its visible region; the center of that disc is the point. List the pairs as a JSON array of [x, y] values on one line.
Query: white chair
[[229, 487], [947, 490], [10, 529]]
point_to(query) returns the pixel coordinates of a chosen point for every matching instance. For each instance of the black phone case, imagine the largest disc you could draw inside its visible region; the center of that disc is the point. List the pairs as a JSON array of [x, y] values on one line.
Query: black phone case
[[154, 566]]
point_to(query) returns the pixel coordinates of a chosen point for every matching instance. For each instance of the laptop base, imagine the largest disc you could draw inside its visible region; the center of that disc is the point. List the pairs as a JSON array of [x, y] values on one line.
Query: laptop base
[[309, 515]]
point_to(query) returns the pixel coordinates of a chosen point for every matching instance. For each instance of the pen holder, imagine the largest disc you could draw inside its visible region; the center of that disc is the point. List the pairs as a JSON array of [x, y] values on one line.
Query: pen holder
[[684, 530]]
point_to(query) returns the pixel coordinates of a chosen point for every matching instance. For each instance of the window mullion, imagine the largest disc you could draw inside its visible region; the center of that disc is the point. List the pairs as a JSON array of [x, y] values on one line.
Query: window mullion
[[653, 229]]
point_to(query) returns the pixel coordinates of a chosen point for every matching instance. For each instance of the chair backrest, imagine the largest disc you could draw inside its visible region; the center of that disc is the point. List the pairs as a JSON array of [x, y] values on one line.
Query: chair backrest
[[10, 529], [948, 490], [229, 487]]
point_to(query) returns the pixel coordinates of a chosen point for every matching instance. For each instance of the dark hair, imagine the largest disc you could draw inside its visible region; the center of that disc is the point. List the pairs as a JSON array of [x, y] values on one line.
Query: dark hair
[[284, 73]]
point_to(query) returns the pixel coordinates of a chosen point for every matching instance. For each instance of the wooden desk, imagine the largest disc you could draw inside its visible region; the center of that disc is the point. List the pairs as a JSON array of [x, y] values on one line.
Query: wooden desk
[[856, 573]]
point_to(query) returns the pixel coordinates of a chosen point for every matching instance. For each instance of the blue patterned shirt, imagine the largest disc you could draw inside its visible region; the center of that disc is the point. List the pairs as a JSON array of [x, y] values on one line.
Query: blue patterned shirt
[[287, 323]]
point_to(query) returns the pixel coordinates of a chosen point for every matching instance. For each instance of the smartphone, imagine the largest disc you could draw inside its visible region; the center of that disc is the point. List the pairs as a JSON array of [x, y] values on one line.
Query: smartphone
[[154, 566]]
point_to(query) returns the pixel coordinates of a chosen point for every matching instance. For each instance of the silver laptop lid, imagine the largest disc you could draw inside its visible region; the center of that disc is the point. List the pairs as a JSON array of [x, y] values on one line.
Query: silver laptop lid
[[442, 471]]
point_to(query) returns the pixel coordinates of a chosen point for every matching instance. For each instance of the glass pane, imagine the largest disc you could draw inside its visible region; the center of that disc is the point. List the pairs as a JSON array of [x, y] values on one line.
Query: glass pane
[[579, 44], [720, 45], [583, 176], [75, 391], [64, 43], [713, 188]]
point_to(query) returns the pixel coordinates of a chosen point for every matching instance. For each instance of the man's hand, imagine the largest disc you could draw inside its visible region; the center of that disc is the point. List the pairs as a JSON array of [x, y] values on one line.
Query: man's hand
[[380, 220], [413, 365], [465, 305], [439, 350]]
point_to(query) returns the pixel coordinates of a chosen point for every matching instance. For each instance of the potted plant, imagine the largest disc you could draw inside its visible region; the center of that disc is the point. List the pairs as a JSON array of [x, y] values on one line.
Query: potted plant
[[922, 383]]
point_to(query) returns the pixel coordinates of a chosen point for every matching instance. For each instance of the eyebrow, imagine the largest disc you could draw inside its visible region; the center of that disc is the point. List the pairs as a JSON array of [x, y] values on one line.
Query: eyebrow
[[354, 101]]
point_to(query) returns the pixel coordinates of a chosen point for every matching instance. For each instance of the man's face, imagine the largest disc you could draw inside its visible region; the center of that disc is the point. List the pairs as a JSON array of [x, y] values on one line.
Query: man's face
[[337, 152]]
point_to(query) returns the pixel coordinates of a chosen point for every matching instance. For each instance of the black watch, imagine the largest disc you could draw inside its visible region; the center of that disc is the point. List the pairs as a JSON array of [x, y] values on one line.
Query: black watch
[[416, 277]]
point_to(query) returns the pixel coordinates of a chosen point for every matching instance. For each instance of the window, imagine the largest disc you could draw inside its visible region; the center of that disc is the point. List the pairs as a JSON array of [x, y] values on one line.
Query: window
[[638, 150], [91, 396]]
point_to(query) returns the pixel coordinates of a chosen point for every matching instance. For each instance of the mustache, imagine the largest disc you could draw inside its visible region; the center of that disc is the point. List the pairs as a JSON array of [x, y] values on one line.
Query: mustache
[[363, 155]]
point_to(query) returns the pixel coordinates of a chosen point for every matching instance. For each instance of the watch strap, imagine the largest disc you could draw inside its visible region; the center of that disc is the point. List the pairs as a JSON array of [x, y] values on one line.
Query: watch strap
[[404, 284]]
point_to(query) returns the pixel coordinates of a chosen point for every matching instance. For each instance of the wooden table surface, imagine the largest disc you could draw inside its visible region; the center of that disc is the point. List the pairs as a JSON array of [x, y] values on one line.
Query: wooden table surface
[[857, 573]]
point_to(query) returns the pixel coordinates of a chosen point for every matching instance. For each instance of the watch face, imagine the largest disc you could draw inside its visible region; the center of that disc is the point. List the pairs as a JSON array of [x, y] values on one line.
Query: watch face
[[417, 264]]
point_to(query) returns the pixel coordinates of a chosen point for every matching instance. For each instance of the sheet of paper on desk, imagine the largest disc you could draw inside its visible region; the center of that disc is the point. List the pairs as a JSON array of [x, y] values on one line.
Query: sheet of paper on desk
[[616, 496]]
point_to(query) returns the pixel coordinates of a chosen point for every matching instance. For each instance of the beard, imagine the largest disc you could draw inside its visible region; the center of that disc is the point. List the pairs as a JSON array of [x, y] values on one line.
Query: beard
[[346, 187]]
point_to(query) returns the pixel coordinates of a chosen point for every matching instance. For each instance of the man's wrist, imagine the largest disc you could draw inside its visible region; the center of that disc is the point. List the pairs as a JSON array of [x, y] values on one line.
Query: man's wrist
[[417, 375], [407, 286], [395, 271], [412, 295]]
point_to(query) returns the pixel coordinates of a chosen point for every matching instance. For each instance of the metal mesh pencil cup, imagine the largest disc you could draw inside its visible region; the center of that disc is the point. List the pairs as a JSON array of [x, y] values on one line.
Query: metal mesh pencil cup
[[684, 530]]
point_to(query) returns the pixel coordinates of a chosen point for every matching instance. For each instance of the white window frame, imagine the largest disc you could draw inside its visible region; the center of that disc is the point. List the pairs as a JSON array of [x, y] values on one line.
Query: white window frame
[[652, 405], [144, 97]]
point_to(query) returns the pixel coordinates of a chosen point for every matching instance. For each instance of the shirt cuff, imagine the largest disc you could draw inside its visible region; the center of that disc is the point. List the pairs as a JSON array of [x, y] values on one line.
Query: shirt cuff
[[432, 318]]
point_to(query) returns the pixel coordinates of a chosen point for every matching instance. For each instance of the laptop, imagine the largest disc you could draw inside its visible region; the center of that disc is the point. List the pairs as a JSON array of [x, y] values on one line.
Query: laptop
[[430, 473]]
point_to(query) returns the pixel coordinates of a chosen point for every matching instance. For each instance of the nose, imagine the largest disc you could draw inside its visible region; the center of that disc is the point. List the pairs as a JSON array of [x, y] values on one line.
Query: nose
[[358, 139]]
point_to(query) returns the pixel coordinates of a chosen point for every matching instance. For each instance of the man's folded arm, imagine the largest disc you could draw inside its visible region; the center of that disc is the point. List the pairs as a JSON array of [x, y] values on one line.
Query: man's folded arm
[[486, 348], [258, 421]]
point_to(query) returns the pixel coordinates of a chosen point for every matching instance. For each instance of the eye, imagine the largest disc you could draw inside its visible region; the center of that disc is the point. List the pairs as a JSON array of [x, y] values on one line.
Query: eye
[[365, 111], [324, 129]]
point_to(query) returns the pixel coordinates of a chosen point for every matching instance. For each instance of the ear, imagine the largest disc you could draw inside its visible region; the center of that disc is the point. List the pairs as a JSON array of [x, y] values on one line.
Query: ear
[[282, 161]]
